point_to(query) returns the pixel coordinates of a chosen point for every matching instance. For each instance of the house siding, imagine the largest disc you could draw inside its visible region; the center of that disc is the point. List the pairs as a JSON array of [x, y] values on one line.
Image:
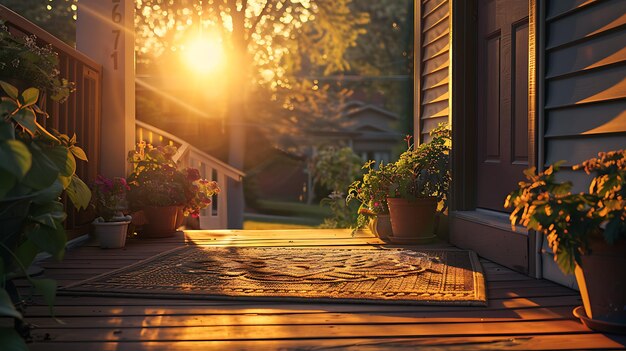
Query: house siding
[[433, 65], [584, 79]]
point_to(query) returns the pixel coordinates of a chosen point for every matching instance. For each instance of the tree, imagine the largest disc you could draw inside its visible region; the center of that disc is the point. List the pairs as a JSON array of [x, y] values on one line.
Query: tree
[[55, 16], [267, 43]]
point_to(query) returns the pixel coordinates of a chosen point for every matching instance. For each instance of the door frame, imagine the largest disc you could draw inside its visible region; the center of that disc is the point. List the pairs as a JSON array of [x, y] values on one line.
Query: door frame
[[463, 194]]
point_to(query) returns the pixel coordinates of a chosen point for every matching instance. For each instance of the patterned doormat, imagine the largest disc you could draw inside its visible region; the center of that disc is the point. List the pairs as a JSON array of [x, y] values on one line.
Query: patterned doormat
[[429, 277]]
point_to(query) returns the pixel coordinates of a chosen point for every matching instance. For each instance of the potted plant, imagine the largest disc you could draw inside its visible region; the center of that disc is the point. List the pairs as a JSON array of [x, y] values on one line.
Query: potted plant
[[419, 187], [199, 193], [162, 192], [109, 201], [37, 166], [157, 189], [25, 64], [371, 192], [586, 232]]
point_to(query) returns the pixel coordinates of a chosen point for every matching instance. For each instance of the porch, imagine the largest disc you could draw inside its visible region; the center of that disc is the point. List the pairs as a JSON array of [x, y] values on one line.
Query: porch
[[522, 312]]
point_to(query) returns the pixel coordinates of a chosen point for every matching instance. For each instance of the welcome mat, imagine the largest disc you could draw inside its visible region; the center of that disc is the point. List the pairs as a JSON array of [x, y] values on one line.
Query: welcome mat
[[329, 274]]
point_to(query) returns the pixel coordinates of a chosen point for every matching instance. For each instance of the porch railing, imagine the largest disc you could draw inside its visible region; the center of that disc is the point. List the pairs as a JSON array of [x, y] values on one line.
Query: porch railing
[[216, 215], [80, 114]]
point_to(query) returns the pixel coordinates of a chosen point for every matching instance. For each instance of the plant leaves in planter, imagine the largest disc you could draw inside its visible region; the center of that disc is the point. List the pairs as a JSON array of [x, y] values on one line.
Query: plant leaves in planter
[[30, 97], [6, 306], [78, 192], [11, 340], [43, 171], [16, 159], [49, 239]]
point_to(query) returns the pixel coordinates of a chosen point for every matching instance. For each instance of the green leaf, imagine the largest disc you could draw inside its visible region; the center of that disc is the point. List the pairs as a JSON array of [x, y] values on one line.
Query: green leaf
[[78, 152], [7, 132], [27, 119], [11, 340], [7, 182], [49, 239], [43, 171], [6, 306], [51, 193], [47, 288], [63, 159], [30, 96], [26, 253], [16, 158], [9, 89], [78, 192], [46, 134], [52, 208]]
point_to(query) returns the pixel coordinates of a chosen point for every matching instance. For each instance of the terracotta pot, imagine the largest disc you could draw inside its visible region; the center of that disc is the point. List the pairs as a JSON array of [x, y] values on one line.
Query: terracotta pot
[[602, 281], [160, 222], [111, 235], [413, 220], [180, 217], [380, 226]]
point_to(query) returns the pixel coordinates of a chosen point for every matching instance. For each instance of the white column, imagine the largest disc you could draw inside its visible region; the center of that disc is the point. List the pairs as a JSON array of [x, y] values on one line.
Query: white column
[[105, 32]]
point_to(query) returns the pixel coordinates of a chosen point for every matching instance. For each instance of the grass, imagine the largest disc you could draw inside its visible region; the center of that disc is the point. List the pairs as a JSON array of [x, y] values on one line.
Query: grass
[[258, 225], [293, 209]]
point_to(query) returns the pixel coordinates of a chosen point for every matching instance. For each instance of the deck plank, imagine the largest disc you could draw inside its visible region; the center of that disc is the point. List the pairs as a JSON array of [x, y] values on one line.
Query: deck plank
[[522, 312], [508, 342]]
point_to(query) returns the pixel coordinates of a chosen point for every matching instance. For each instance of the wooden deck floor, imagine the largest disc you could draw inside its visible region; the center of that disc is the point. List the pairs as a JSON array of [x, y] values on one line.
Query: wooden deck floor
[[523, 313]]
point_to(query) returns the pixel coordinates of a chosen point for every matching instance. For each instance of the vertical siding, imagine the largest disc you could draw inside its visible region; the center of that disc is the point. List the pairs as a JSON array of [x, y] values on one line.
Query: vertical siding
[[434, 62], [584, 80]]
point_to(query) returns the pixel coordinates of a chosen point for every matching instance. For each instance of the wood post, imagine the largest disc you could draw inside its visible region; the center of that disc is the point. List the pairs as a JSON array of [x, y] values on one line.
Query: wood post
[[105, 32]]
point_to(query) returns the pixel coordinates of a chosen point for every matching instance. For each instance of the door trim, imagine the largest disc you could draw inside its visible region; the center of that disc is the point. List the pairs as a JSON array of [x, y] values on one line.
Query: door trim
[[464, 120]]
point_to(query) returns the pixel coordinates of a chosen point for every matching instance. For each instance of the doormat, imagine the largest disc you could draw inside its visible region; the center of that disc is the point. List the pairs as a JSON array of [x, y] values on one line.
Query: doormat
[[406, 276]]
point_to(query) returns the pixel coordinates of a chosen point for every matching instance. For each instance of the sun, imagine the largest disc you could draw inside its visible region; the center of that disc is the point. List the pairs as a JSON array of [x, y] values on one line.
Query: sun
[[204, 54]]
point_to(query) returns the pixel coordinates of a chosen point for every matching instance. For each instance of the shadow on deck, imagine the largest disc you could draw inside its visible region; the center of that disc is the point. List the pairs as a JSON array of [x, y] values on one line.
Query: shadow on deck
[[522, 313]]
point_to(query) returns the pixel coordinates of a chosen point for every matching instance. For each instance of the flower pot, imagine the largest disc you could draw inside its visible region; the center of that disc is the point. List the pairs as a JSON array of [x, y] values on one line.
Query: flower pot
[[380, 226], [160, 222], [602, 283], [180, 217], [413, 221], [111, 235]]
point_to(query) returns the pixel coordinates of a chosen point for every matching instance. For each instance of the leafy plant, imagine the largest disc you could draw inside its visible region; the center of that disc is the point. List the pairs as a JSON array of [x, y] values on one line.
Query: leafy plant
[[21, 59], [371, 191], [157, 181], [37, 166], [201, 192], [335, 168], [569, 220], [109, 198], [424, 171]]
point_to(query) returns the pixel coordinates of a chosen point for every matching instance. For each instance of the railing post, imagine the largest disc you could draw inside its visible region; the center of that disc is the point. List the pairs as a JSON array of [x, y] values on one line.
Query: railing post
[[105, 32]]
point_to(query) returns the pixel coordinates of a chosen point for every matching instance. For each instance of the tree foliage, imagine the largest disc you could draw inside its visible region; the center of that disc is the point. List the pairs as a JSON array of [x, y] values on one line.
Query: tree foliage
[[55, 16]]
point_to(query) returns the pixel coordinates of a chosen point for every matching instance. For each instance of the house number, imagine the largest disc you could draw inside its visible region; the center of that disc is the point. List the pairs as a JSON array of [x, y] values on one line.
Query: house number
[[116, 17]]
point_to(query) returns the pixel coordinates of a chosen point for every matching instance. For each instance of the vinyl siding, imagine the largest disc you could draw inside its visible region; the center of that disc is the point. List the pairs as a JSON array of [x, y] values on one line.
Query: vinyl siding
[[434, 63], [584, 80]]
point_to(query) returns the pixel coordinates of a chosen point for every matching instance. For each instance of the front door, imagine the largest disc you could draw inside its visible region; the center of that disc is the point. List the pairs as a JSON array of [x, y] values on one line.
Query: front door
[[502, 99]]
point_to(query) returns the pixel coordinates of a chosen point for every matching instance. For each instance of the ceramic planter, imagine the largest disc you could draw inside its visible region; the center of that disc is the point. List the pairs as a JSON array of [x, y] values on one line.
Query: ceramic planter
[[111, 235], [413, 221], [160, 222], [380, 226], [602, 283]]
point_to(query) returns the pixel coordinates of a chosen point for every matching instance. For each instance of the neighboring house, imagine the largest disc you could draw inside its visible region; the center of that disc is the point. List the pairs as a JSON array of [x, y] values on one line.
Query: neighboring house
[[369, 130], [524, 83], [375, 130]]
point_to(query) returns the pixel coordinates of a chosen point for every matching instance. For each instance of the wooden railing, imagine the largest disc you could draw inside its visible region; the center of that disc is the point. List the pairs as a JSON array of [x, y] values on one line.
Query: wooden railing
[[215, 216], [80, 114]]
